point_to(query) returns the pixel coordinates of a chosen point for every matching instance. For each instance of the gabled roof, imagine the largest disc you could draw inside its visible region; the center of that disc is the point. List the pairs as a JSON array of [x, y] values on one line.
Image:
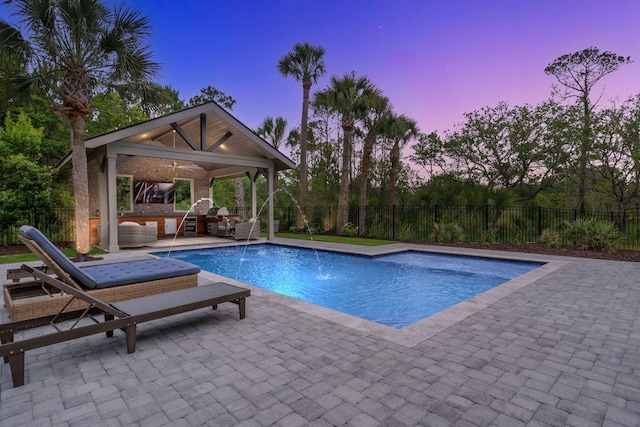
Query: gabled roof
[[224, 136]]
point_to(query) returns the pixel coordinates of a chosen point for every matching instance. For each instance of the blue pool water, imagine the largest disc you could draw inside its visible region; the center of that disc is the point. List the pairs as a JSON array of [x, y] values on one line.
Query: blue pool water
[[396, 290]]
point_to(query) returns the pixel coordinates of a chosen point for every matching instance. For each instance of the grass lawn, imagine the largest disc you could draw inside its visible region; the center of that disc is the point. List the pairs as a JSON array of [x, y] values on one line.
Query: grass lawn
[[71, 253], [336, 239], [26, 257]]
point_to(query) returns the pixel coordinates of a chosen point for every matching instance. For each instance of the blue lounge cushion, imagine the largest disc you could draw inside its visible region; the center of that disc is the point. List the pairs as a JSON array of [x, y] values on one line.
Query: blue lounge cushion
[[126, 273], [116, 274], [58, 257]]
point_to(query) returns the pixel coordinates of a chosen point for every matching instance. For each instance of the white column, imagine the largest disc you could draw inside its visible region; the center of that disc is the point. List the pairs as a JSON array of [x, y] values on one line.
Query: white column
[[112, 208], [103, 205], [270, 232], [254, 196]]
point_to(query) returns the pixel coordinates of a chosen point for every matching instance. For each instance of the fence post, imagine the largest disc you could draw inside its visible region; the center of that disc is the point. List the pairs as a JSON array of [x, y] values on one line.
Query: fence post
[[393, 221], [486, 218], [539, 220]]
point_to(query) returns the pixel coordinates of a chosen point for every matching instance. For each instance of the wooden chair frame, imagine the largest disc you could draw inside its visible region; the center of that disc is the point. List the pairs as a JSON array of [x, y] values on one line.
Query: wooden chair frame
[[125, 315]]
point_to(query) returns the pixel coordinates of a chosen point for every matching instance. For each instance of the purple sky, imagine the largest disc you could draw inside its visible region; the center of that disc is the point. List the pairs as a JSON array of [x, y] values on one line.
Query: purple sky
[[435, 59]]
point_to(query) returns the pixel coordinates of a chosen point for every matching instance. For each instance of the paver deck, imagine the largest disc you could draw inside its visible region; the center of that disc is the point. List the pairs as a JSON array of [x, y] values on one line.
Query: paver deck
[[562, 349]]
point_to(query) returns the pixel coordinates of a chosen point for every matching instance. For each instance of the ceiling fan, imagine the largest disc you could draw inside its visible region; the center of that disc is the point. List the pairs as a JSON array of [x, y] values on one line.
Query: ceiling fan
[[175, 165]]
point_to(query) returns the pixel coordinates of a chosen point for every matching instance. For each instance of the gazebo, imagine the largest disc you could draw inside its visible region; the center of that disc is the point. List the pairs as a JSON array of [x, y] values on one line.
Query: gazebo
[[188, 148]]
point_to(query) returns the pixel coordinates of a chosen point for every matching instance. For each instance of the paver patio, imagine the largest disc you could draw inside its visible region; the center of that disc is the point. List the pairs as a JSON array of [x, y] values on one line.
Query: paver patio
[[563, 350]]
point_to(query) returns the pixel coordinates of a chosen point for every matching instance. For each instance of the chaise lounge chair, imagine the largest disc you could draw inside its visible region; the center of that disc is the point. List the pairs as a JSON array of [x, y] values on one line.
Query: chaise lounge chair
[[125, 315], [107, 282]]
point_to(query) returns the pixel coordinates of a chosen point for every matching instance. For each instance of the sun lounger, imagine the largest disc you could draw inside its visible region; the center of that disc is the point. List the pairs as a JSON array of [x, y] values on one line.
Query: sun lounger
[[108, 282], [125, 315]]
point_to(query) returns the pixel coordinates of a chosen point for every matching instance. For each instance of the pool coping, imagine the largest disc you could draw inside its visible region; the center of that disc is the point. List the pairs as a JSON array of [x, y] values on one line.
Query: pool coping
[[424, 329]]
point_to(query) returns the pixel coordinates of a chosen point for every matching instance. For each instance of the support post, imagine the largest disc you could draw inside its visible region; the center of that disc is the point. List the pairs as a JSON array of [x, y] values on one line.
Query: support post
[[270, 232], [254, 198], [103, 191], [112, 220], [16, 364]]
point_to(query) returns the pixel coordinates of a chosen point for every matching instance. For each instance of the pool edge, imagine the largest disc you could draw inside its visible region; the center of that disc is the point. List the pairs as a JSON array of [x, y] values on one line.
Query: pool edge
[[426, 328]]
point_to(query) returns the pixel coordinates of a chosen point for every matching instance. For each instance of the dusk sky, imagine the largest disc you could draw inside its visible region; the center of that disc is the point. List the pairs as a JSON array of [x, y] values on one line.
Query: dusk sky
[[434, 59]]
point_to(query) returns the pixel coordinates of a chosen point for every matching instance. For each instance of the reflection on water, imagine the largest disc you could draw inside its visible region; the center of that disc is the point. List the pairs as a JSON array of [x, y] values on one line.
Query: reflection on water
[[396, 290]]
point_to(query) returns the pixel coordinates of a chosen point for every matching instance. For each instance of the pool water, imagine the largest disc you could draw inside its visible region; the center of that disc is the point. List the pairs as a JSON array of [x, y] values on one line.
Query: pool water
[[396, 290]]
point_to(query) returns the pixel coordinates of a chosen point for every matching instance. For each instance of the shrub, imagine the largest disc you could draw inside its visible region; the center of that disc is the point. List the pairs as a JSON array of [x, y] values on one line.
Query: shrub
[[447, 232], [349, 229], [550, 238], [405, 232], [594, 234], [490, 236]]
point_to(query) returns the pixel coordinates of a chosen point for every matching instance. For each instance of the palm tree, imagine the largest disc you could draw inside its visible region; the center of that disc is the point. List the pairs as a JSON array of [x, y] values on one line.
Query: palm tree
[[74, 49], [349, 96], [400, 130], [273, 132], [304, 63], [373, 123]]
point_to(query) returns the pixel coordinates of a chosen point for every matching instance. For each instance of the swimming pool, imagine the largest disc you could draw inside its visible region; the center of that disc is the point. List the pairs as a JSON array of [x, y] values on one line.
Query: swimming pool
[[396, 290]]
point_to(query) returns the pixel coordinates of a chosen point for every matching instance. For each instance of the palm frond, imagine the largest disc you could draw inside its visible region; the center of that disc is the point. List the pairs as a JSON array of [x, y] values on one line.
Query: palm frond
[[13, 46], [24, 85]]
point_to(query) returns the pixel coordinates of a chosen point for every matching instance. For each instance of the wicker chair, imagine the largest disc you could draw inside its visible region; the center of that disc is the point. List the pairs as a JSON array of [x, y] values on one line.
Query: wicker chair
[[110, 282], [247, 230], [134, 235]]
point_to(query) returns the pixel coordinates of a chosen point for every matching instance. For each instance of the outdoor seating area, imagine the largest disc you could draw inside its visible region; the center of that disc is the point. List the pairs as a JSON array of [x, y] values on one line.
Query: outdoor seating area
[[222, 224], [108, 282], [125, 315]]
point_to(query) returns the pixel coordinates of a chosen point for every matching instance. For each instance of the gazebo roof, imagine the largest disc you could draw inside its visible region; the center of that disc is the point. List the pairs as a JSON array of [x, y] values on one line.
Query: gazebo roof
[[205, 134]]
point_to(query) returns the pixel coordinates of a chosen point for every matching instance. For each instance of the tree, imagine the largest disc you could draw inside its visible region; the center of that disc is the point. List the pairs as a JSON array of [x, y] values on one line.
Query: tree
[[373, 123], [349, 97], [75, 48], [210, 93], [110, 112], [324, 164], [169, 102], [617, 152], [579, 72], [273, 132], [429, 153], [24, 181], [55, 138], [11, 64], [305, 63], [517, 148], [400, 130]]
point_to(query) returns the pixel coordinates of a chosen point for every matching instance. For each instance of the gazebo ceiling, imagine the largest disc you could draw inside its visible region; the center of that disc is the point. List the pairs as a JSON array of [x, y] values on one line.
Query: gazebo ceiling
[[223, 135]]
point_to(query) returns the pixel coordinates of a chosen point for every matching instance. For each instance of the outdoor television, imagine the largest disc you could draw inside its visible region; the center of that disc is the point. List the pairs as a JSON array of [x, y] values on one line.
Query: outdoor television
[[153, 192]]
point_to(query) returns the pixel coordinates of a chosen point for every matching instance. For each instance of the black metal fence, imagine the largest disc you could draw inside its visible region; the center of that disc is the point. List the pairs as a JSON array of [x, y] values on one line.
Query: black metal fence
[[481, 223], [57, 224]]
